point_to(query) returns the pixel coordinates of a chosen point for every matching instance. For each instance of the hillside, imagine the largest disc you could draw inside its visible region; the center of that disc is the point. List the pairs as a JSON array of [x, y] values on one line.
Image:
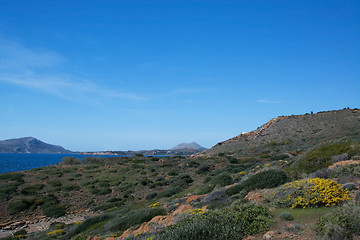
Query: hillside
[[292, 133], [192, 145], [271, 185], [29, 145]]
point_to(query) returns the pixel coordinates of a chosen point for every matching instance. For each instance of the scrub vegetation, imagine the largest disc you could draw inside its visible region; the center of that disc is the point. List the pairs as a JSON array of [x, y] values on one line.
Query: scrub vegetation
[[310, 190]]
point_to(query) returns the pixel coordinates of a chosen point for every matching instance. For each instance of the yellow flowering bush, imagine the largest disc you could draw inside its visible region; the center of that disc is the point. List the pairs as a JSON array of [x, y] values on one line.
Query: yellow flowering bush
[[155, 205], [309, 193], [242, 173], [20, 237], [56, 232], [196, 211]]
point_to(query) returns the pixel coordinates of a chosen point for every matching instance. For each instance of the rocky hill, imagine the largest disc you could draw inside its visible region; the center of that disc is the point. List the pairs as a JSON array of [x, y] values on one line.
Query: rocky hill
[[299, 168], [29, 145], [192, 145], [293, 133]]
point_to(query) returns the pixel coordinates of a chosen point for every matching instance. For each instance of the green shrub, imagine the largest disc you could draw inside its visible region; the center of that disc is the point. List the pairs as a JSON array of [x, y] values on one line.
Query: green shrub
[[341, 223], [82, 227], [134, 218], [321, 156], [348, 171], [151, 196], [173, 172], [93, 160], [267, 179], [32, 190], [206, 189], [286, 216], [279, 157], [12, 177], [203, 169], [349, 186], [169, 192], [50, 207], [70, 187], [19, 206], [70, 160], [20, 232], [99, 192], [7, 190], [53, 210], [244, 165], [55, 183], [221, 180], [234, 222], [186, 178], [104, 191]]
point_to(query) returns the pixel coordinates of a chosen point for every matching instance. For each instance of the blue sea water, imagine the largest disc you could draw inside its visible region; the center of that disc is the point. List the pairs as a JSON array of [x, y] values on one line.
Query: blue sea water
[[11, 162]]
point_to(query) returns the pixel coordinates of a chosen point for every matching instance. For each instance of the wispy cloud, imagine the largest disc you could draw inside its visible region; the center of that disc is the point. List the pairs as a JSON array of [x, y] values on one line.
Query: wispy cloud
[[65, 86], [38, 68], [267, 101], [30, 67], [14, 56]]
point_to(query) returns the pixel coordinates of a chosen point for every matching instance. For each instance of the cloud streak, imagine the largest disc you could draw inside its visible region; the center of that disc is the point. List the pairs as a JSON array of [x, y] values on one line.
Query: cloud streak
[[27, 67], [37, 68], [267, 101]]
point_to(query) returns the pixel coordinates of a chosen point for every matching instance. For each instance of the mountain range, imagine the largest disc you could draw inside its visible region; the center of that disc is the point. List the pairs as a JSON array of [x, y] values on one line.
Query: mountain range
[[29, 145], [33, 145]]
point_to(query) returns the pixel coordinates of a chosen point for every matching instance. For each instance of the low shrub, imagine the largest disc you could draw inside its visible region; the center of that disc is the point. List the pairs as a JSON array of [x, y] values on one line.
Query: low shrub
[[234, 222], [349, 186], [70, 160], [221, 180], [203, 169], [134, 218], [169, 192], [82, 227], [322, 156], [22, 232], [341, 223], [348, 171], [279, 157], [55, 183], [70, 187], [7, 190], [267, 179], [32, 190], [173, 172], [151, 196], [186, 178], [309, 193], [12, 177], [286, 216], [50, 207], [19, 206]]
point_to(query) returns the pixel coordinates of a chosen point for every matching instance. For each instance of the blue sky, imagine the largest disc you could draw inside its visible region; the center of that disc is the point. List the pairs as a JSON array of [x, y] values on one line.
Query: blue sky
[[119, 75]]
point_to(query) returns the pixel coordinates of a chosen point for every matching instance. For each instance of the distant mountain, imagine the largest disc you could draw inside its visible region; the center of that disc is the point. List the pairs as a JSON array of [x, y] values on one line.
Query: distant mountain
[[29, 145], [192, 145], [292, 133]]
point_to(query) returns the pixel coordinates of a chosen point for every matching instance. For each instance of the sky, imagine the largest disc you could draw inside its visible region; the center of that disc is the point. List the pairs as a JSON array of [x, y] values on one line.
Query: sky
[[131, 75]]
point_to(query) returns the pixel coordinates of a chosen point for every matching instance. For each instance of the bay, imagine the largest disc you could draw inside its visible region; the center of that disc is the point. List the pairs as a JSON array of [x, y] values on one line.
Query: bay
[[11, 162]]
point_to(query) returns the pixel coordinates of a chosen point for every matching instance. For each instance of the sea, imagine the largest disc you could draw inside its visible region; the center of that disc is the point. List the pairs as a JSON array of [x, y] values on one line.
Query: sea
[[11, 162]]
